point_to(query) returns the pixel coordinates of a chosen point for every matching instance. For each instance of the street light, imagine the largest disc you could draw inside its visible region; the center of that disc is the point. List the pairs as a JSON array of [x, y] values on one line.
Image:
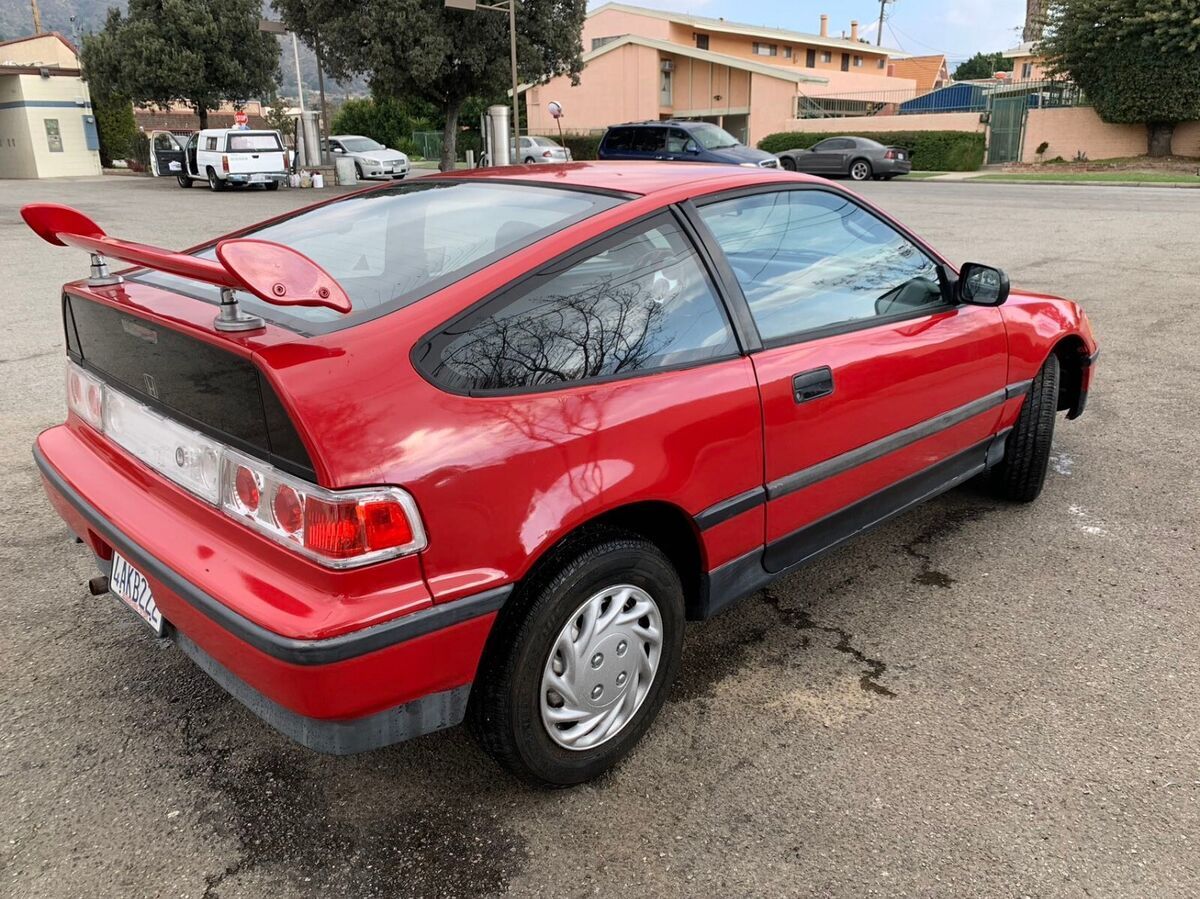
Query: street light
[[510, 7]]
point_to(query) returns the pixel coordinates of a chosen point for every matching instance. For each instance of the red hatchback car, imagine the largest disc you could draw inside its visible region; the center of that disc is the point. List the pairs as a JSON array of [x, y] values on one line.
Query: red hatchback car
[[477, 446]]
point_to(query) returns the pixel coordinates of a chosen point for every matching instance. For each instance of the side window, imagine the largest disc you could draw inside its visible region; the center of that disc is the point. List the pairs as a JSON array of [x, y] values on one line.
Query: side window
[[806, 259], [619, 139], [650, 140], [210, 143], [641, 301], [677, 140]]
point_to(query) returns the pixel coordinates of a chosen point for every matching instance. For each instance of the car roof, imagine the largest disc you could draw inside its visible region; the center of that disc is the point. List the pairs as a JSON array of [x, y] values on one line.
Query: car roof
[[629, 177]]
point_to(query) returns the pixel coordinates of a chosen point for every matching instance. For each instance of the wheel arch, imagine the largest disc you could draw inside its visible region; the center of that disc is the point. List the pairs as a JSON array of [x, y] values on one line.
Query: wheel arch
[[1072, 356], [857, 159]]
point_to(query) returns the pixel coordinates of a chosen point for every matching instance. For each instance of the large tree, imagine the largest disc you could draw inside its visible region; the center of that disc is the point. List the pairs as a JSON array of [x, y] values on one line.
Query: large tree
[[420, 49], [1138, 61], [982, 65], [198, 52]]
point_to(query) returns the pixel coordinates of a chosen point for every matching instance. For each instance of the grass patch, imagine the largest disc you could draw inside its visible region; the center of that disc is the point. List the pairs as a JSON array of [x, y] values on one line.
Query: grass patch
[[1098, 177], [917, 176]]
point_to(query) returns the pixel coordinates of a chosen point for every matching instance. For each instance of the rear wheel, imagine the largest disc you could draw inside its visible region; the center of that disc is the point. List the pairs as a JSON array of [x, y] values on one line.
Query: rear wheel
[[860, 170], [272, 185], [184, 180], [1022, 473], [577, 672], [529, 160], [214, 183], [358, 174], [788, 163]]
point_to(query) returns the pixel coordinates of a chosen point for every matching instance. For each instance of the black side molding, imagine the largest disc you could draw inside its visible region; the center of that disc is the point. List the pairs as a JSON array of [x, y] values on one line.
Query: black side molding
[[729, 508], [287, 649]]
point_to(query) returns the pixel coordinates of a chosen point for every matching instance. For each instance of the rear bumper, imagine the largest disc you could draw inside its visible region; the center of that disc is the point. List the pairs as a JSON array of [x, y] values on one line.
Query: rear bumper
[[257, 178], [359, 690], [893, 167]]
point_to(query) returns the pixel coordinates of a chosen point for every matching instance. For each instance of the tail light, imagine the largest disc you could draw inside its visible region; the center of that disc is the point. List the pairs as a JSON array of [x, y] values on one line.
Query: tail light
[[225, 164], [287, 160], [890, 154], [547, 154], [337, 528]]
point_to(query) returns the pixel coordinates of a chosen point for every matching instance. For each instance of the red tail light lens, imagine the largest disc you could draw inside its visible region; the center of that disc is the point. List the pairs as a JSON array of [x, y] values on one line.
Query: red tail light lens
[[245, 485], [289, 511], [547, 155], [386, 524], [225, 163], [333, 529], [890, 154]]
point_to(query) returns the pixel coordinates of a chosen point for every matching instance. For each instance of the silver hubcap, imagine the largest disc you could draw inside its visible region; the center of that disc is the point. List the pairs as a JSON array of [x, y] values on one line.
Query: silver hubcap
[[860, 171], [601, 667]]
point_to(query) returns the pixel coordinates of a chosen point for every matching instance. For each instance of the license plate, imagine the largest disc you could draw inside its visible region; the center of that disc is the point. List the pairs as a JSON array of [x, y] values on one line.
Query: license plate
[[131, 585], [258, 178]]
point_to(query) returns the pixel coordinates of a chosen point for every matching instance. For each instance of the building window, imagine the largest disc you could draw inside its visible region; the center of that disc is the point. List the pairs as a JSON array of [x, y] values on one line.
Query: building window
[[826, 56], [810, 59], [858, 62], [787, 52], [1026, 71], [701, 41], [883, 62], [765, 49], [665, 94], [598, 42], [845, 62]]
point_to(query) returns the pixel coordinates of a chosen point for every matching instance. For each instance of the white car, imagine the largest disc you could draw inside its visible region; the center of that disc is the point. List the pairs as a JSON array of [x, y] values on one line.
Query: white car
[[225, 156], [371, 158], [540, 149]]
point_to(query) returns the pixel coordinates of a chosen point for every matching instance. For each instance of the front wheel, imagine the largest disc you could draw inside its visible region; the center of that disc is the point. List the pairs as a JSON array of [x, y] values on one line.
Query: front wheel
[[860, 170], [358, 173], [788, 163], [576, 672], [1020, 475]]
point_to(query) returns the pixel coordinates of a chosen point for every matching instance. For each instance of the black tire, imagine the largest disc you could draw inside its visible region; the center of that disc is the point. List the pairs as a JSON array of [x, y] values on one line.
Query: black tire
[[184, 180], [788, 163], [214, 183], [358, 175], [1020, 476], [888, 177], [529, 160], [272, 185], [505, 708], [860, 170]]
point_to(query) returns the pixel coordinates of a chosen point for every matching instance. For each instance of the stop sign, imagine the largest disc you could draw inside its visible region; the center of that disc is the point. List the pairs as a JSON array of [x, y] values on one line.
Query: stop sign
[[239, 117]]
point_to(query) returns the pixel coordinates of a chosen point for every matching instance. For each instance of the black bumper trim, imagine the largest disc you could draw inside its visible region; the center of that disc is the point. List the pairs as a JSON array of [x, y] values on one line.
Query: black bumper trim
[[287, 649], [338, 737]]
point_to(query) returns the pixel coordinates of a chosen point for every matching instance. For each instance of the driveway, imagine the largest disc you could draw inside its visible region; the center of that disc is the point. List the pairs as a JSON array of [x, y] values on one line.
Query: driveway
[[975, 700]]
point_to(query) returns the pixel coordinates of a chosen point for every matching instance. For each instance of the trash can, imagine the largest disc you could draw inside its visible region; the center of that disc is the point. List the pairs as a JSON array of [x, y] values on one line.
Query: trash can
[[345, 170]]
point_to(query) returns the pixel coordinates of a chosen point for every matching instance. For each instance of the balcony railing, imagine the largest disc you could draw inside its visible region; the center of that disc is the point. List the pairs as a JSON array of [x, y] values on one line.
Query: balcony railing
[[961, 97]]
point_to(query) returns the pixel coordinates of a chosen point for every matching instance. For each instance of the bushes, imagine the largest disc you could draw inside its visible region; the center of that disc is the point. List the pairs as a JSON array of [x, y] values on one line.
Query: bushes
[[116, 128], [582, 146], [932, 151], [384, 119]]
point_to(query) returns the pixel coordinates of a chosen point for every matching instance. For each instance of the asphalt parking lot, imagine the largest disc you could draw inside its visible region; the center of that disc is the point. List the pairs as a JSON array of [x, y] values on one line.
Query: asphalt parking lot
[[975, 700]]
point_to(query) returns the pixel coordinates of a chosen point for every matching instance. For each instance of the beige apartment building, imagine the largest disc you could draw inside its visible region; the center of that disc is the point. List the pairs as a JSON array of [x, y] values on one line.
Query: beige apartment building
[[642, 63]]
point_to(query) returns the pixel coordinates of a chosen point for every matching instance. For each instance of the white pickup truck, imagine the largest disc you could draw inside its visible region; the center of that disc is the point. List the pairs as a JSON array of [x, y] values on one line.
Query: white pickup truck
[[225, 156]]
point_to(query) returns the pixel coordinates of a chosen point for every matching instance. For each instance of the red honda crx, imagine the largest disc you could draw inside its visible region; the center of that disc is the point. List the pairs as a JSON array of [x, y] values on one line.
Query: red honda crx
[[477, 446]]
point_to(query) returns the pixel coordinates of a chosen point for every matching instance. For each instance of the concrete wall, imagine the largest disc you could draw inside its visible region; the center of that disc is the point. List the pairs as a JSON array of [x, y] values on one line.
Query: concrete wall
[[950, 121], [43, 50], [1079, 128], [24, 149]]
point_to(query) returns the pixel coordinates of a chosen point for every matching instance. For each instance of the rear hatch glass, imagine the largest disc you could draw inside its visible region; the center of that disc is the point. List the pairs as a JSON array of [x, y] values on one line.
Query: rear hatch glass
[[253, 143], [389, 248]]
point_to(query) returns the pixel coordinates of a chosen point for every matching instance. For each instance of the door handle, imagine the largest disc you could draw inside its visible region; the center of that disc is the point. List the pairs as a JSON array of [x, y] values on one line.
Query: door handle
[[812, 385]]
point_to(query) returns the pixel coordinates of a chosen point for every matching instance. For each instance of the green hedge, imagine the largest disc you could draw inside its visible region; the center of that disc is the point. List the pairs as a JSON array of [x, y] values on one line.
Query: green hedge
[[582, 146], [932, 151]]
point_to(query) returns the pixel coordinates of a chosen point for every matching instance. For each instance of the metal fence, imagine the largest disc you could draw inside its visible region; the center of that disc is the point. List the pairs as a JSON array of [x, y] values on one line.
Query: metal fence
[[429, 143], [964, 96]]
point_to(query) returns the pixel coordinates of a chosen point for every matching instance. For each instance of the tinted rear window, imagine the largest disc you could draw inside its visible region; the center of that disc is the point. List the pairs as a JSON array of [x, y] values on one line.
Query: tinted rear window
[[253, 142], [389, 248]]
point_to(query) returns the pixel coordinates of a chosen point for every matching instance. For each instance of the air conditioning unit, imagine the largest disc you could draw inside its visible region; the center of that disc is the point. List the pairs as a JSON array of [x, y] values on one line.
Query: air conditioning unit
[[668, 65]]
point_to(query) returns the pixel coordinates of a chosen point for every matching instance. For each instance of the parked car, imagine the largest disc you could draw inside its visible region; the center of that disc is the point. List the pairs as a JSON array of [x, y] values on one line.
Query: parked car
[[477, 447], [371, 158], [860, 158], [234, 156], [540, 150], [680, 141]]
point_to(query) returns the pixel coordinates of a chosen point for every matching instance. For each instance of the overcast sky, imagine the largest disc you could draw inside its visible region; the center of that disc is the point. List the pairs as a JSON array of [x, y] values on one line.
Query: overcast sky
[[957, 28]]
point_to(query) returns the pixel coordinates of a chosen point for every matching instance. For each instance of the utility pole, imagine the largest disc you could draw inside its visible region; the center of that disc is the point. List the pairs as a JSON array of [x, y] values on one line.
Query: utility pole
[[37, 17], [879, 34]]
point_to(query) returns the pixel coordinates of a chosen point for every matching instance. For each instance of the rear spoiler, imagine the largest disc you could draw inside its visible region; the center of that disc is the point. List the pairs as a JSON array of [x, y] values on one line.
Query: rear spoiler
[[272, 272]]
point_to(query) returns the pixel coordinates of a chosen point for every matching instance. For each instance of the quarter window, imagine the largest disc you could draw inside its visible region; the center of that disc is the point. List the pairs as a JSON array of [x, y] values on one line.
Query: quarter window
[[641, 302], [808, 259]]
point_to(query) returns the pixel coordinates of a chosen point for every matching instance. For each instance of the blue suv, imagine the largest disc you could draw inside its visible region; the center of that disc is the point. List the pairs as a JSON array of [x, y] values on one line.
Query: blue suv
[[680, 142]]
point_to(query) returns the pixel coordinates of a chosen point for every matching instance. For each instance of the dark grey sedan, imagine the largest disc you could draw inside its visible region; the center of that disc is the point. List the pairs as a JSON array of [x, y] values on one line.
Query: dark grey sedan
[[858, 157]]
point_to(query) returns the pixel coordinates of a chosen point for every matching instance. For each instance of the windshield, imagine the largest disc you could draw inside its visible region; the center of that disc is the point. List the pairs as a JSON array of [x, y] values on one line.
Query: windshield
[[710, 137], [254, 142], [361, 144], [543, 142], [389, 248]]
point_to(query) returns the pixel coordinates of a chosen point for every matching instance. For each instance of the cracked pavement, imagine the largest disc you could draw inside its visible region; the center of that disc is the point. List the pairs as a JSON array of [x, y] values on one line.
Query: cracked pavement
[[975, 700]]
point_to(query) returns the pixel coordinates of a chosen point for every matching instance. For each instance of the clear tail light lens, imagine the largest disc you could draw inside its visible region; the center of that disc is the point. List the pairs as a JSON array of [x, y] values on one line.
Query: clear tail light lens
[[338, 528]]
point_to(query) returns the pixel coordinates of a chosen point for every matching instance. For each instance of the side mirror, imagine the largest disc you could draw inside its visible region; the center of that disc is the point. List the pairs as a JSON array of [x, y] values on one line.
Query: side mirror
[[338, 150], [981, 285], [692, 147]]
